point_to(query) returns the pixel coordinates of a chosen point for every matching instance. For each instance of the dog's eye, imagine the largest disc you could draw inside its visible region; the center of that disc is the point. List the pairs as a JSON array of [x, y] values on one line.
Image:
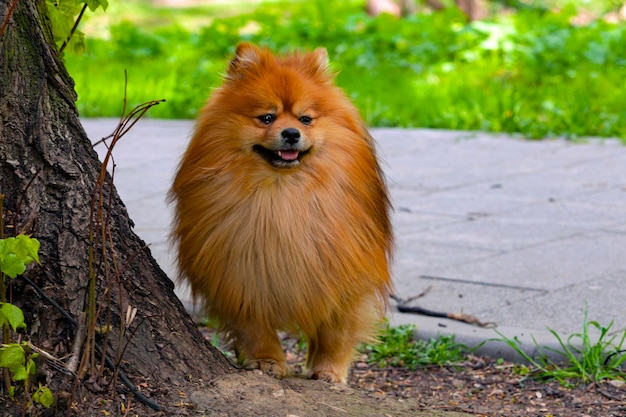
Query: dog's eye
[[305, 120], [267, 119]]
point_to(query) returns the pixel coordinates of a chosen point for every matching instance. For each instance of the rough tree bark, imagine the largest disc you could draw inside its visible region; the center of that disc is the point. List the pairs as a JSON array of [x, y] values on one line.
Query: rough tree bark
[[48, 171]]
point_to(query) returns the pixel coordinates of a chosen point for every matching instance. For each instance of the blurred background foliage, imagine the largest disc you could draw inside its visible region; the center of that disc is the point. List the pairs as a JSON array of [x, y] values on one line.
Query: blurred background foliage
[[538, 68]]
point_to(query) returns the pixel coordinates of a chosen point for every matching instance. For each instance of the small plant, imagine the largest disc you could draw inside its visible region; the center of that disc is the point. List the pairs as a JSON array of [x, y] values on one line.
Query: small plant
[[397, 347], [16, 358], [20, 361], [591, 362], [65, 19], [43, 396], [16, 253]]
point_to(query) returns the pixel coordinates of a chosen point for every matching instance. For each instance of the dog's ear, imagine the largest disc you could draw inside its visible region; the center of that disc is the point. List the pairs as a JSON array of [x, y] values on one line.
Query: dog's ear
[[321, 57], [246, 56], [319, 64]]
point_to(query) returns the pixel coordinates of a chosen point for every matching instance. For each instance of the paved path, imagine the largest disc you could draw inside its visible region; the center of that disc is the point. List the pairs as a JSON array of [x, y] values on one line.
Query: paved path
[[520, 233]]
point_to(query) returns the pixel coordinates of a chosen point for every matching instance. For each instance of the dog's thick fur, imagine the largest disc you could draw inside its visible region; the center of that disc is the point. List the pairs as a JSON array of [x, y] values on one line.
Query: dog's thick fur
[[269, 241]]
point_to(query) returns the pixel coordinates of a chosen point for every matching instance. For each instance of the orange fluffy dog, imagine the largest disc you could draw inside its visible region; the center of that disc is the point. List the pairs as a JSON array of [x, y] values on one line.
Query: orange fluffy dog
[[282, 214]]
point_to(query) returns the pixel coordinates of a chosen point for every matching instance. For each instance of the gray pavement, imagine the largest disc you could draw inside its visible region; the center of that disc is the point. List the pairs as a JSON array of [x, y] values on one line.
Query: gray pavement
[[520, 233]]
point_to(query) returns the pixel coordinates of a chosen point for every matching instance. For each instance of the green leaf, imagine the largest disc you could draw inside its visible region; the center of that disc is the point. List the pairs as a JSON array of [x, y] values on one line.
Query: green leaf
[[77, 43], [12, 356], [19, 374], [12, 265], [28, 248], [62, 15], [94, 4], [44, 397], [16, 253], [12, 315]]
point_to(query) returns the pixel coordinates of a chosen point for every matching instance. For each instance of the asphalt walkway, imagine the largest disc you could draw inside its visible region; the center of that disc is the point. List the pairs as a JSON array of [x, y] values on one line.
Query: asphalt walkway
[[524, 234]]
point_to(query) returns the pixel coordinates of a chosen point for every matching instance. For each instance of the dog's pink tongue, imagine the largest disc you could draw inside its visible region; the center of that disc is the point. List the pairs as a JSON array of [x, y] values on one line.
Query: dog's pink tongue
[[288, 155]]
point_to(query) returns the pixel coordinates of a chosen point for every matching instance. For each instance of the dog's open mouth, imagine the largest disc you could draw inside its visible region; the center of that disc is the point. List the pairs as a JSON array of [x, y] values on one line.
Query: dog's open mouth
[[280, 158]]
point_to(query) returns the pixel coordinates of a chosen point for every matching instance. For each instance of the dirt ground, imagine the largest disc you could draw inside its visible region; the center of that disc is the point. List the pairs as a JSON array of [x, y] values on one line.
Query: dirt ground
[[478, 387], [481, 387]]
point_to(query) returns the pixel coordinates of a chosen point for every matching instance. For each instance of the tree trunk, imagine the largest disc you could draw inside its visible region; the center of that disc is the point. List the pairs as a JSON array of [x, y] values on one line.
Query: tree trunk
[[48, 172]]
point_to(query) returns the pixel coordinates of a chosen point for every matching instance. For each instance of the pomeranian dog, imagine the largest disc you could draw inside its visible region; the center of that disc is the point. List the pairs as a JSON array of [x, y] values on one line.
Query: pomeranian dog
[[282, 214]]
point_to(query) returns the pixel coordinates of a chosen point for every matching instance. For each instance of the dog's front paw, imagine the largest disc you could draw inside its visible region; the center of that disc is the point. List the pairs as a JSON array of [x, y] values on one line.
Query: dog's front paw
[[328, 376], [272, 367]]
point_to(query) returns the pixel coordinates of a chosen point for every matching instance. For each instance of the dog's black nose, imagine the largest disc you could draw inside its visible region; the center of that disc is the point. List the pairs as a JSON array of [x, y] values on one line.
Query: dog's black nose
[[291, 135]]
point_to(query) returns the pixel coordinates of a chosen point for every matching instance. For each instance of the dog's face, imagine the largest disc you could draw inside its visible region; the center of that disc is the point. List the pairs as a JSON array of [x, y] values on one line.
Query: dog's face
[[281, 105], [285, 137]]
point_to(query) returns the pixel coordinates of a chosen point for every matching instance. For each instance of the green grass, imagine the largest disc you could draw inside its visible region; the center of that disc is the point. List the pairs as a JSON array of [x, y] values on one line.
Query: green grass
[[583, 361], [584, 358], [398, 347], [532, 73]]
